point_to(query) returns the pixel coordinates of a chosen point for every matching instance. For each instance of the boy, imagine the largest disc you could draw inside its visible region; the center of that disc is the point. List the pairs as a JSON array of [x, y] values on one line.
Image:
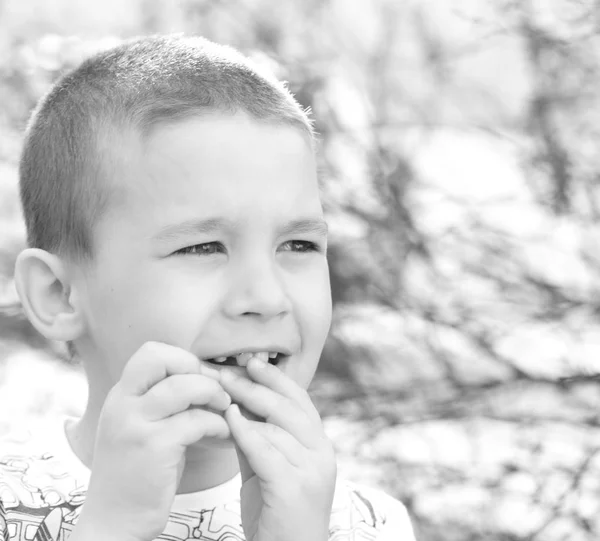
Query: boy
[[177, 244]]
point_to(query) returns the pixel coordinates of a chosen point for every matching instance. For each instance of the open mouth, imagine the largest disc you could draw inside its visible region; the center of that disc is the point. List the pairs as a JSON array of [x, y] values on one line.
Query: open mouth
[[242, 359]]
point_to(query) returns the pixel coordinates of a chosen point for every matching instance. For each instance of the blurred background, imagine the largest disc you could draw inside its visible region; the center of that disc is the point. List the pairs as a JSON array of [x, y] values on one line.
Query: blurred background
[[459, 149]]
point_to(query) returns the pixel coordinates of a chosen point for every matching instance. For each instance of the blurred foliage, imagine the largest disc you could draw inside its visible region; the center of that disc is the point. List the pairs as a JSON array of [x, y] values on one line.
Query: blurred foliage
[[459, 158]]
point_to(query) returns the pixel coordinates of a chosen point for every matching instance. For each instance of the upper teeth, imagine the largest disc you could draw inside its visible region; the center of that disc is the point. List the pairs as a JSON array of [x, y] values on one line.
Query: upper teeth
[[243, 358]]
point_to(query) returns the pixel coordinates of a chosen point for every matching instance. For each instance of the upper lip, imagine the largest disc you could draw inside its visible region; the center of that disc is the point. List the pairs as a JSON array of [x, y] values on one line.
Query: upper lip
[[232, 352]]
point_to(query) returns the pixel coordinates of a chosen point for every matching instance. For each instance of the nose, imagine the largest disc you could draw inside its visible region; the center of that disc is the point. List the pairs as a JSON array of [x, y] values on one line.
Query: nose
[[257, 290]]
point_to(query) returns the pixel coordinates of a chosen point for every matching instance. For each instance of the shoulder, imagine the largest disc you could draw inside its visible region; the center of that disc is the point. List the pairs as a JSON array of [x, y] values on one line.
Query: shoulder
[[365, 513]]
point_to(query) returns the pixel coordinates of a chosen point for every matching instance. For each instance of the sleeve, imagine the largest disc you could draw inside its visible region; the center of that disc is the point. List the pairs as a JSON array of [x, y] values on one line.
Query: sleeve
[[397, 526]]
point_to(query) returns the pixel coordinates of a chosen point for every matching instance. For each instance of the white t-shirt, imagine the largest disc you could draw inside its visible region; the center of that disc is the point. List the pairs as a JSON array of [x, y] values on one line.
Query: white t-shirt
[[43, 486]]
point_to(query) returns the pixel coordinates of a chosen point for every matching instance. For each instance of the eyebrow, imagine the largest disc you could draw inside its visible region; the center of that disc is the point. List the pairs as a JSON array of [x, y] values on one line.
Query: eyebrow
[[316, 226], [172, 232]]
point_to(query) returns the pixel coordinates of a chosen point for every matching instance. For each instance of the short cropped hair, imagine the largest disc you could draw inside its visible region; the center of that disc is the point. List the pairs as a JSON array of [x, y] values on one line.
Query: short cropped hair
[[140, 83]]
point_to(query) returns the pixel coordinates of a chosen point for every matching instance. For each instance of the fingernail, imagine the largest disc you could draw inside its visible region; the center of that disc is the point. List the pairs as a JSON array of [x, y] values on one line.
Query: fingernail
[[235, 410], [257, 363]]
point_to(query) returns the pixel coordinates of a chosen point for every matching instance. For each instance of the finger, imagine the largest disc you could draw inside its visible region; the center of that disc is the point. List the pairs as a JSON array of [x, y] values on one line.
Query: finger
[[245, 468], [274, 408], [177, 393], [263, 448], [155, 361], [236, 422], [273, 378], [192, 425], [283, 441]]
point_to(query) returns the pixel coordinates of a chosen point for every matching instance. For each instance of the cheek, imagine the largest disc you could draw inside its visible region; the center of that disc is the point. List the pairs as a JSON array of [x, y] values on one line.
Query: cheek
[[315, 311], [127, 312], [320, 302]]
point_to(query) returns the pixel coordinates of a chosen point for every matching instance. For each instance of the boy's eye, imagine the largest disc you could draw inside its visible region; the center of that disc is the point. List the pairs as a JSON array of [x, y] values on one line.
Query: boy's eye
[[207, 248], [302, 246]]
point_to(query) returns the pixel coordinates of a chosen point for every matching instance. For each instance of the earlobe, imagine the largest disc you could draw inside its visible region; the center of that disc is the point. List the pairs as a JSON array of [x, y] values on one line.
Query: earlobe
[[45, 291]]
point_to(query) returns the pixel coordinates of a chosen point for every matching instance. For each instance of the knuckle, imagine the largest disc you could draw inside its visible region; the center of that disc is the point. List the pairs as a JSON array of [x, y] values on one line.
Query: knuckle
[[141, 359], [304, 396], [182, 355], [283, 403], [120, 421], [224, 399], [169, 387], [268, 449], [147, 348], [322, 471], [195, 414], [210, 385], [279, 403], [251, 386], [324, 455], [270, 429], [207, 387], [328, 451]]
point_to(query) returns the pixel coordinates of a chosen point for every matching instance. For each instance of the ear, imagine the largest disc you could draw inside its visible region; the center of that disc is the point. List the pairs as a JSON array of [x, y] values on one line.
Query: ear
[[47, 296]]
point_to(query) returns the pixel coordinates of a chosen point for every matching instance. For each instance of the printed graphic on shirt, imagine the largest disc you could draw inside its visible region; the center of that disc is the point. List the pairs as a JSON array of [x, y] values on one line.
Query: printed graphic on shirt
[[355, 519], [40, 501], [221, 523]]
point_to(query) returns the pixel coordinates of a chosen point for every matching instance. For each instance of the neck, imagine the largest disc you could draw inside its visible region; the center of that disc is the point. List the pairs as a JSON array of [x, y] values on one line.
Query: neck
[[207, 464]]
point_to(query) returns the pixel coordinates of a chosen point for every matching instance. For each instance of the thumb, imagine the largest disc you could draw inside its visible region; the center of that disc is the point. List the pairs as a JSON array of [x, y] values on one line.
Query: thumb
[[245, 468]]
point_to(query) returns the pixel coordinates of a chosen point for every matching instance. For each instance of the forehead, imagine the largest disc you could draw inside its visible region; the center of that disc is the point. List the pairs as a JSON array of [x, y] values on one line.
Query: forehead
[[225, 162]]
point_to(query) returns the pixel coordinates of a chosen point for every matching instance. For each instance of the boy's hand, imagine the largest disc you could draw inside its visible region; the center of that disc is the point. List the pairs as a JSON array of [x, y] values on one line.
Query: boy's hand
[[288, 465], [160, 405]]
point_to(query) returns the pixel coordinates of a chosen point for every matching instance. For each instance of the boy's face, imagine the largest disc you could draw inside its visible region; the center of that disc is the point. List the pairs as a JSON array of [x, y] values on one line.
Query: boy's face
[[213, 242]]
